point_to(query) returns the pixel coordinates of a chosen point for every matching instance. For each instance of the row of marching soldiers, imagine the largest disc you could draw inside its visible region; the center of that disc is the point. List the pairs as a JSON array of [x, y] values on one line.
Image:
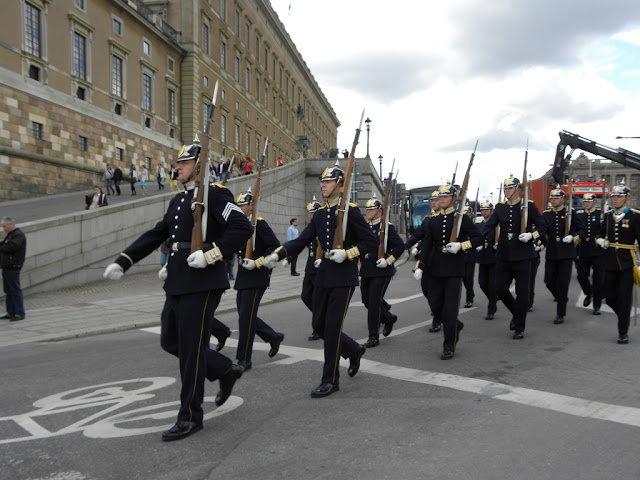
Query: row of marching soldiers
[[603, 245]]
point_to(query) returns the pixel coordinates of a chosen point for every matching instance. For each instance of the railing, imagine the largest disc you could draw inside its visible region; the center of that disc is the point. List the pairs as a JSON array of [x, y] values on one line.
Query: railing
[[153, 17]]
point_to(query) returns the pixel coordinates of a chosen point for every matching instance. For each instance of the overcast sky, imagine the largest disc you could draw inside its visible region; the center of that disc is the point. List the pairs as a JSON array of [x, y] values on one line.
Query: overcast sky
[[434, 77]]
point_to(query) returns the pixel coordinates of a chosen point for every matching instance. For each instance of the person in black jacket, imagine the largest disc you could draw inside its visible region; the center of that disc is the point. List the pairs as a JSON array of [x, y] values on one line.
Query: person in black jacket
[[590, 256], [194, 283], [336, 279], [486, 259], [619, 232], [252, 280], [447, 265], [13, 249], [117, 178], [376, 274]]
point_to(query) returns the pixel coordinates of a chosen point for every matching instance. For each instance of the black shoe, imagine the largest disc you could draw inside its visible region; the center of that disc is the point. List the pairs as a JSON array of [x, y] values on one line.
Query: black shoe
[[245, 364], [7, 316], [558, 320], [596, 311], [354, 360], [489, 316], [530, 309], [623, 339], [435, 328], [222, 340], [587, 301], [227, 381], [388, 327], [314, 336], [275, 344], [518, 335], [295, 274], [15, 318], [181, 430], [324, 390], [468, 304], [372, 342], [446, 355], [512, 325]]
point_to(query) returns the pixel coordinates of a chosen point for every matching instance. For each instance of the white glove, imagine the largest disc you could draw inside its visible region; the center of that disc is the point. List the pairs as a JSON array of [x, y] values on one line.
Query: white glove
[[479, 248], [601, 242], [453, 247], [338, 255], [162, 273], [417, 274], [248, 263], [197, 260], [317, 263], [113, 272], [285, 263], [382, 263], [414, 251], [568, 239], [495, 246], [537, 248], [270, 261], [525, 237]]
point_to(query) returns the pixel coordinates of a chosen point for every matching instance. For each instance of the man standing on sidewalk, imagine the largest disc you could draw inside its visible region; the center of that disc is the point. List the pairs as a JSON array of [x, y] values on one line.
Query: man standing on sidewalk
[[292, 234], [12, 252], [194, 284], [108, 179], [117, 178]]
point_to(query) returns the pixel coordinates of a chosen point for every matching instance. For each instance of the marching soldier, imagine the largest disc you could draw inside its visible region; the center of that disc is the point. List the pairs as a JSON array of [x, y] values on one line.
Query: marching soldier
[[619, 232], [515, 252], [446, 266], [376, 273], [561, 251], [252, 280], [310, 270], [336, 279], [469, 264], [486, 259], [590, 256], [194, 284]]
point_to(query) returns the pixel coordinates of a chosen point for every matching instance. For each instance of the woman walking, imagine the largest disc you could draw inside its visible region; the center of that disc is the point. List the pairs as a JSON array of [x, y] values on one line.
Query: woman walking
[[133, 178], [144, 178]]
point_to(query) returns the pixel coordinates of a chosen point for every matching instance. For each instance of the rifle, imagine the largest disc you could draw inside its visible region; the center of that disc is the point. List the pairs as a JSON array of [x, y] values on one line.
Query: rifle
[[524, 208], [457, 221], [248, 253], [382, 234], [453, 179], [345, 192], [475, 206], [199, 199], [498, 226], [567, 216], [604, 196]]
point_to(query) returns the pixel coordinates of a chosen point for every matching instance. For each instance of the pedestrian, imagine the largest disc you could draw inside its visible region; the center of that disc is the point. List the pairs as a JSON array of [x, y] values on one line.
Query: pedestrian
[[252, 281], [108, 179], [516, 251], [13, 250], [337, 277], [133, 178], [311, 268], [486, 259], [324, 153], [193, 283], [117, 178], [160, 176], [376, 272], [279, 160], [619, 234], [447, 265], [97, 200], [292, 234], [247, 165], [560, 250], [173, 178], [143, 176], [591, 258]]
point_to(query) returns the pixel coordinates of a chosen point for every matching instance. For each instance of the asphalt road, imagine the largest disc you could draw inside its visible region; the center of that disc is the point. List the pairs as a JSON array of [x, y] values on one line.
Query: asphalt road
[[564, 403]]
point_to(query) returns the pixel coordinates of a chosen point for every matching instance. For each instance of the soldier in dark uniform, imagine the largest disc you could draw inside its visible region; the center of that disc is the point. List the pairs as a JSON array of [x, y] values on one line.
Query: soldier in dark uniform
[[311, 268], [252, 280], [619, 232], [446, 266], [515, 252], [561, 251], [590, 256], [486, 258], [376, 274], [194, 284], [469, 264], [416, 239], [336, 279]]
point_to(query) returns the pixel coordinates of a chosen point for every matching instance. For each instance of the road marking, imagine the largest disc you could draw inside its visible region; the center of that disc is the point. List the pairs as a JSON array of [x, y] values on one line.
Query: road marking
[[525, 396], [603, 308], [391, 301]]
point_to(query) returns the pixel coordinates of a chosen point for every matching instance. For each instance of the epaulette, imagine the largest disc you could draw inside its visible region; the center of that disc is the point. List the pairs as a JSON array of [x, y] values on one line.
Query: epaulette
[[259, 218], [503, 202], [547, 210], [322, 207], [219, 185], [353, 205], [580, 211], [530, 201], [635, 210], [389, 223]]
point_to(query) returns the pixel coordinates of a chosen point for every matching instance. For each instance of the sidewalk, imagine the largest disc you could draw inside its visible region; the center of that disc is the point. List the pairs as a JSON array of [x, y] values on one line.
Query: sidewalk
[[135, 301]]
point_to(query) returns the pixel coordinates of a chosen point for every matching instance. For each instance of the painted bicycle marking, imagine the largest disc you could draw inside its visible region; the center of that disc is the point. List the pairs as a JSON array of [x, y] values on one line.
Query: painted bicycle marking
[[111, 421]]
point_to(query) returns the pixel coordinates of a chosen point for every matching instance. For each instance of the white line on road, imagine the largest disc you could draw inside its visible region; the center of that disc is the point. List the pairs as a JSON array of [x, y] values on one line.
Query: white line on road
[[499, 391]]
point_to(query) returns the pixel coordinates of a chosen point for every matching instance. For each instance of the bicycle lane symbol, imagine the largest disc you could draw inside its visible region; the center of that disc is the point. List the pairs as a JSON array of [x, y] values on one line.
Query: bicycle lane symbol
[[111, 422]]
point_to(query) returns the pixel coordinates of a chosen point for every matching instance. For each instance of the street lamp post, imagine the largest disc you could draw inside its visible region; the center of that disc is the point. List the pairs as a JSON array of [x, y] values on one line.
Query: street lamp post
[[380, 159], [367, 121]]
